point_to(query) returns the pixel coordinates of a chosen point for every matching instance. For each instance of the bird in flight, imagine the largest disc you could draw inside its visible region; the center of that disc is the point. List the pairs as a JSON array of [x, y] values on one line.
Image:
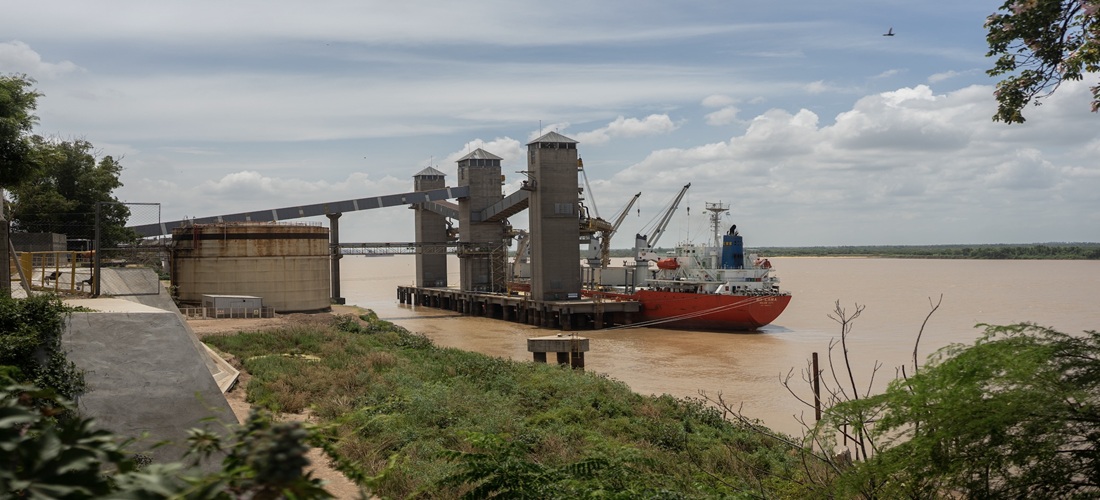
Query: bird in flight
[[889, 32]]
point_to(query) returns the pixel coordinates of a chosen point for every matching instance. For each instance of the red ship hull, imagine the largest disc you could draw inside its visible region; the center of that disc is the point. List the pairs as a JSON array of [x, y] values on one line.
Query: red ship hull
[[690, 311]]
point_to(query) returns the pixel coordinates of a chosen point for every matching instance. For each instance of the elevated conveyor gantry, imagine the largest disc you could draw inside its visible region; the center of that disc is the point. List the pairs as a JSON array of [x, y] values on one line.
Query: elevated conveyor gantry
[[317, 209], [429, 199], [507, 207]]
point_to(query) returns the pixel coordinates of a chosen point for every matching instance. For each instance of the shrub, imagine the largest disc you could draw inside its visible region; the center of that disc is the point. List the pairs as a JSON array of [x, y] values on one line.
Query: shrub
[[30, 344], [47, 458]]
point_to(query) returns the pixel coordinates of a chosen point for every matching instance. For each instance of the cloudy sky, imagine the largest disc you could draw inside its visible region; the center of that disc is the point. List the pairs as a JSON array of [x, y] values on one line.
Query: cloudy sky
[[814, 127]]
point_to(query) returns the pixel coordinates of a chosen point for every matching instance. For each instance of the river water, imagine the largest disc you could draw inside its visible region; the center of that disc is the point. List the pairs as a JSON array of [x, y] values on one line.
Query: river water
[[746, 368]]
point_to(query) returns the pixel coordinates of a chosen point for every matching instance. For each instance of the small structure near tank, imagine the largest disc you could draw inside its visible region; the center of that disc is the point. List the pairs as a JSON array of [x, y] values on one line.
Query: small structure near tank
[[569, 350], [233, 306]]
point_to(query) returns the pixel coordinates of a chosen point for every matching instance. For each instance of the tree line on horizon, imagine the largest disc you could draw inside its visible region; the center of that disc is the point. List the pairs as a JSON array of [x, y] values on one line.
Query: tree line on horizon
[[997, 251], [1048, 251]]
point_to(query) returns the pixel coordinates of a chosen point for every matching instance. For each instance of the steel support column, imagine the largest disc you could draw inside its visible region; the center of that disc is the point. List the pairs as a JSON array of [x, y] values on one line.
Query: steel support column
[[335, 255]]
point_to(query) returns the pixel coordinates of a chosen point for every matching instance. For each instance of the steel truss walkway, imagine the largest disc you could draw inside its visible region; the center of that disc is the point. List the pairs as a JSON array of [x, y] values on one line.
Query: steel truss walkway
[[287, 213]]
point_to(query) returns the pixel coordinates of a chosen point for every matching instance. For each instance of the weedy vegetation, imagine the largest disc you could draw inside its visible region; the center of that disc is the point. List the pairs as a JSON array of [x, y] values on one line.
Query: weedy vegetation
[[432, 422]]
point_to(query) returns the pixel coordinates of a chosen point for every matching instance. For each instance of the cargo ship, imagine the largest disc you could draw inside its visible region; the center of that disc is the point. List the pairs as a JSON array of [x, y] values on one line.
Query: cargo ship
[[702, 287]]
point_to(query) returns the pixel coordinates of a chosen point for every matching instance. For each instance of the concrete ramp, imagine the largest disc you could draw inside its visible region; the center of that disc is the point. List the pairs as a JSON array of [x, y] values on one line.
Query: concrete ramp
[[147, 374], [132, 285], [139, 284]]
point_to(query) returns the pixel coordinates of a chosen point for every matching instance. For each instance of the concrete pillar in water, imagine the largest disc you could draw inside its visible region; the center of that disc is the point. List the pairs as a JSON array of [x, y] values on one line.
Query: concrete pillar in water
[[568, 350]]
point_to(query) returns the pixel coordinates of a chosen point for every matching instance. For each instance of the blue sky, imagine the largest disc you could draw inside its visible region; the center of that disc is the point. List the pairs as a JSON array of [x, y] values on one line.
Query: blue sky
[[814, 127]]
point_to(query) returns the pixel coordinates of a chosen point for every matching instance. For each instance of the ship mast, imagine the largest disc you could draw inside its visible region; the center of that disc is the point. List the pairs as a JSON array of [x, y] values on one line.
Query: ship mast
[[716, 211]]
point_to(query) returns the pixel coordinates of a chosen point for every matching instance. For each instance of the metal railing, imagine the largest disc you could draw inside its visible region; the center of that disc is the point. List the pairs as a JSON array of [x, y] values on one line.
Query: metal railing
[[59, 272]]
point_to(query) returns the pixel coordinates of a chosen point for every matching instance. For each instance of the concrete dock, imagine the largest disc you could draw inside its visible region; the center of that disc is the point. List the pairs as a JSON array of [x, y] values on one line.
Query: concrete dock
[[581, 314]]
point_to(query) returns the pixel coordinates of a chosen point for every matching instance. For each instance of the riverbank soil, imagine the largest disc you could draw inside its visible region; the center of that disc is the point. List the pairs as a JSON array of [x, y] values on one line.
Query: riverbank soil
[[335, 482]]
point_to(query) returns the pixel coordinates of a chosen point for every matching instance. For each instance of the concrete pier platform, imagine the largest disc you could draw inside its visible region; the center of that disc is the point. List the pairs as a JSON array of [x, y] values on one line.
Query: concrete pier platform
[[581, 314]]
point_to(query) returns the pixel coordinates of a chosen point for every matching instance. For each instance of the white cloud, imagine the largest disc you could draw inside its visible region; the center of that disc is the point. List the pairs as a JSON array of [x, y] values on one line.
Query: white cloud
[[508, 149], [628, 127], [558, 127], [910, 152], [777, 132], [723, 116], [902, 95], [939, 77], [718, 101], [817, 87], [18, 57], [1026, 170]]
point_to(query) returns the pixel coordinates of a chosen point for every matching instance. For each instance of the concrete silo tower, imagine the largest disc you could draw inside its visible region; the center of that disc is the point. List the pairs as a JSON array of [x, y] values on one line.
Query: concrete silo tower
[[431, 266], [481, 264], [552, 165]]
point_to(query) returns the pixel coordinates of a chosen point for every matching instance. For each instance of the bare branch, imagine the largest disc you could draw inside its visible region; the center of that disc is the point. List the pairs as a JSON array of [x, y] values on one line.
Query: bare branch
[[871, 383], [935, 306]]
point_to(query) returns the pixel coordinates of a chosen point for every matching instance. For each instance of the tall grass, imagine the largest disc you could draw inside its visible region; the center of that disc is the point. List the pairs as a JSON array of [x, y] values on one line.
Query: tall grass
[[437, 423]]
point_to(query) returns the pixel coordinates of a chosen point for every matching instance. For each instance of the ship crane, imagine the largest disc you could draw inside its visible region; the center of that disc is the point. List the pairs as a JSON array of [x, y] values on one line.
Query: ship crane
[[644, 244], [622, 216], [606, 231]]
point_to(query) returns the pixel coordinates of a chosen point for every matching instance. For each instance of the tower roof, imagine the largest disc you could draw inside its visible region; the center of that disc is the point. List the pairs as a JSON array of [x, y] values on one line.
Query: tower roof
[[552, 137], [428, 172], [480, 154]]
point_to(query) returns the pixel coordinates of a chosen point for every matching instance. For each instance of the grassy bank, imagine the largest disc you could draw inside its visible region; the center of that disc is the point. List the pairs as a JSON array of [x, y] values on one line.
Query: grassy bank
[[439, 423]]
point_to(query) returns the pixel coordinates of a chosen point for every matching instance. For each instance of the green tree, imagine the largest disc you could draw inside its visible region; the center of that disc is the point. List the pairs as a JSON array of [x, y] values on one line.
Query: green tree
[[63, 194], [17, 104], [1016, 415], [1038, 45]]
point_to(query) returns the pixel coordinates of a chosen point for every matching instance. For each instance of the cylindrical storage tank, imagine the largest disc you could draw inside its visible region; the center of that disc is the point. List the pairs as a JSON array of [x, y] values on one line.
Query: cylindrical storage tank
[[285, 264]]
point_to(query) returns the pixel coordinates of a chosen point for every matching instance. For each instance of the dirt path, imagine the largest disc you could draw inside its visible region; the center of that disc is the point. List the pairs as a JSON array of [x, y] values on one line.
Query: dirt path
[[335, 482]]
